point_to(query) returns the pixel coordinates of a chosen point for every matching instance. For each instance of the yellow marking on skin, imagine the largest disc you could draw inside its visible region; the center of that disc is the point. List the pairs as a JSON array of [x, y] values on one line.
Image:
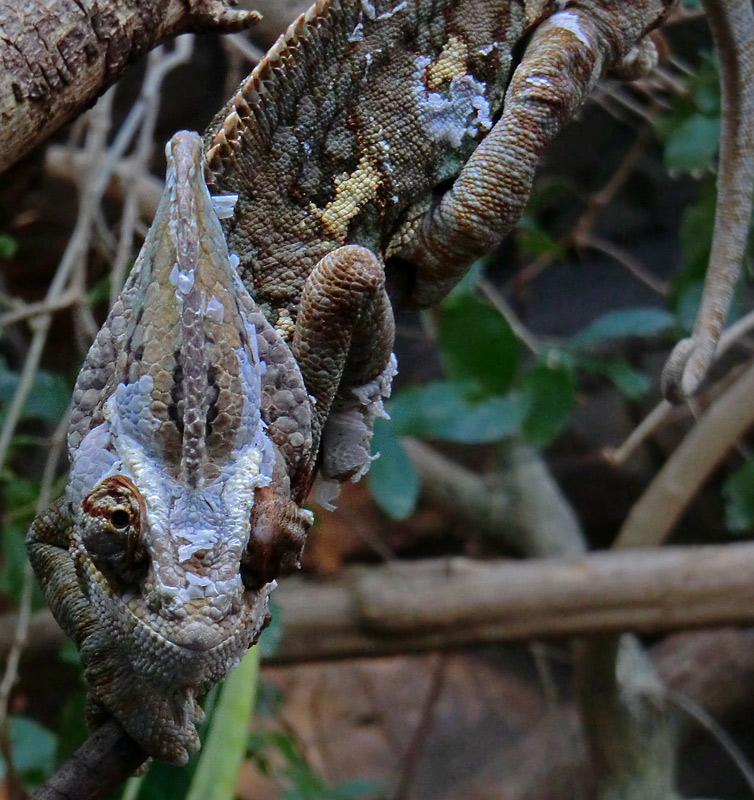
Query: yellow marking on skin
[[353, 191], [285, 325], [451, 62]]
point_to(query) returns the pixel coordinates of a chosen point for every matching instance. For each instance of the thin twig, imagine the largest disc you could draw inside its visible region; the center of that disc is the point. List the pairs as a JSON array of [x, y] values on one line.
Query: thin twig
[[697, 713], [26, 310], [24, 606], [94, 184], [415, 749], [659, 414]]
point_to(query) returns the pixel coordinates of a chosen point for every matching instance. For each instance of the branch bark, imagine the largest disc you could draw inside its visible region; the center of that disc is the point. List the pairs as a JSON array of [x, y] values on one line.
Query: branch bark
[[97, 768], [411, 606], [57, 57]]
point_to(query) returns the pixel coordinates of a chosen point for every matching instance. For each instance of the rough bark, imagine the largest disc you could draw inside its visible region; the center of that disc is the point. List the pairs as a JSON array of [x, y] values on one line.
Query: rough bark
[[407, 606], [58, 56], [97, 768]]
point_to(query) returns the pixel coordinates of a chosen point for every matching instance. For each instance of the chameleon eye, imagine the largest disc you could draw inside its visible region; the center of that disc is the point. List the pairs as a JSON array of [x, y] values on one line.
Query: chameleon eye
[[120, 519], [111, 530]]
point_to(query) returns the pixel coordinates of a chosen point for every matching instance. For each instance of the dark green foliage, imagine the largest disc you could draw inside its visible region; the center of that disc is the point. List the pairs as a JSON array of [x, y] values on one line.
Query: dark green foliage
[[33, 748], [738, 496]]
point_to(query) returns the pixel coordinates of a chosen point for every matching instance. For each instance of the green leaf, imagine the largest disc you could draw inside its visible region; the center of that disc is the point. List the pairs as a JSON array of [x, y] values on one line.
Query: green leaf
[[8, 246], [631, 383], [14, 561], [392, 478], [71, 727], [551, 394], [47, 400], [225, 746], [443, 410], [738, 497], [623, 324], [272, 634], [696, 230], [33, 748], [477, 344], [693, 143], [536, 242]]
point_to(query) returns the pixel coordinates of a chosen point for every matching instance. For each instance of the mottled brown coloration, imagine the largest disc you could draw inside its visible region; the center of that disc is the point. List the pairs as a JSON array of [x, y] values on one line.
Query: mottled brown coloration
[[188, 410]]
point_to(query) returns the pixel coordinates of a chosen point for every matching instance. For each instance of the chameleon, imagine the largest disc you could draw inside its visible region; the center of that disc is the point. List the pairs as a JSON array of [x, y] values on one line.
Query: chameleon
[[369, 158]]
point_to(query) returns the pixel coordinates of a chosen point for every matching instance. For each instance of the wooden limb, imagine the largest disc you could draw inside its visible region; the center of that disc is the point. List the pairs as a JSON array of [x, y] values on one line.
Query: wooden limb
[[97, 768], [715, 669], [656, 512], [520, 506], [57, 57], [626, 720], [436, 604]]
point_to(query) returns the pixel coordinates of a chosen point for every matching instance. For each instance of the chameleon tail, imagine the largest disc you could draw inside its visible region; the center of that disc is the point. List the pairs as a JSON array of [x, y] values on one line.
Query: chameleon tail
[[732, 24]]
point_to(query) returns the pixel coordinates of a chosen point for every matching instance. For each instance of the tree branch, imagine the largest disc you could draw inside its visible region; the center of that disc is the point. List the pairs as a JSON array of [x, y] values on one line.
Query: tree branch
[[57, 57], [425, 605], [107, 758]]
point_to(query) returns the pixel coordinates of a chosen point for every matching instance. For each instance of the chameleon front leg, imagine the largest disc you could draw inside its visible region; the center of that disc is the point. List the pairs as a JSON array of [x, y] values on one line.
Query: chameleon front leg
[[732, 25], [47, 543], [343, 343]]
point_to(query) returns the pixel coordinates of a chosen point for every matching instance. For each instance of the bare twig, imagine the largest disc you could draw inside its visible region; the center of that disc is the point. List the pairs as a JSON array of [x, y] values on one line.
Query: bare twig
[[75, 251], [659, 414], [414, 751], [707, 721], [655, 513], [23, 619], [398, 607]]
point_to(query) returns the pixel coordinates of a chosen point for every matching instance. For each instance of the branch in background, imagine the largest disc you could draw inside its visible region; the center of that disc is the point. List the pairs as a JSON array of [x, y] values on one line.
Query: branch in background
[[714, 669], [520, 507], [425, 605], [535, 519], [656, 512]]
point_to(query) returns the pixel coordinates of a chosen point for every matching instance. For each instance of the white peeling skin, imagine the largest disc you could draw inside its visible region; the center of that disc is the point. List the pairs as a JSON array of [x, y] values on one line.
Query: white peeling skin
[[181, 617], [465, 111], [224, 205], [570, 21]]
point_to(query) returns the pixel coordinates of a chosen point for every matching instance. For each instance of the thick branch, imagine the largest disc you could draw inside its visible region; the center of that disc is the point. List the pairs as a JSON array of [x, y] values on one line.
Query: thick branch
[[97, 768], [442, 603], [656, 512], [57, 57]]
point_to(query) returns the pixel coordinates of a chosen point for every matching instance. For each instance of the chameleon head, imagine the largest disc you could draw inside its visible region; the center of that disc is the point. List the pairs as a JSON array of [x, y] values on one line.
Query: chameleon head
[[180, 491]]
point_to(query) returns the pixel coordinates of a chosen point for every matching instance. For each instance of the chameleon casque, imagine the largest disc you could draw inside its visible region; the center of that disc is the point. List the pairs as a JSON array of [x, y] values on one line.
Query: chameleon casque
[[386, 138]]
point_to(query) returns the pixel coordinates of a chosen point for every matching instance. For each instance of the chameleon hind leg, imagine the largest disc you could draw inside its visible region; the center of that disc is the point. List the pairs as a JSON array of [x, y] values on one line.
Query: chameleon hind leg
[[343, 343]]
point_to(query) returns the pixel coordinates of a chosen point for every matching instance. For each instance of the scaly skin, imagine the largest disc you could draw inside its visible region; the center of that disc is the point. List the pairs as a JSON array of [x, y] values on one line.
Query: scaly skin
[[379, 144]]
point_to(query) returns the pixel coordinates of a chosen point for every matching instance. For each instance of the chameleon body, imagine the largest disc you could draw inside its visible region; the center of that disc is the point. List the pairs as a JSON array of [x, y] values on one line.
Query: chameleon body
[[378, 146]]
